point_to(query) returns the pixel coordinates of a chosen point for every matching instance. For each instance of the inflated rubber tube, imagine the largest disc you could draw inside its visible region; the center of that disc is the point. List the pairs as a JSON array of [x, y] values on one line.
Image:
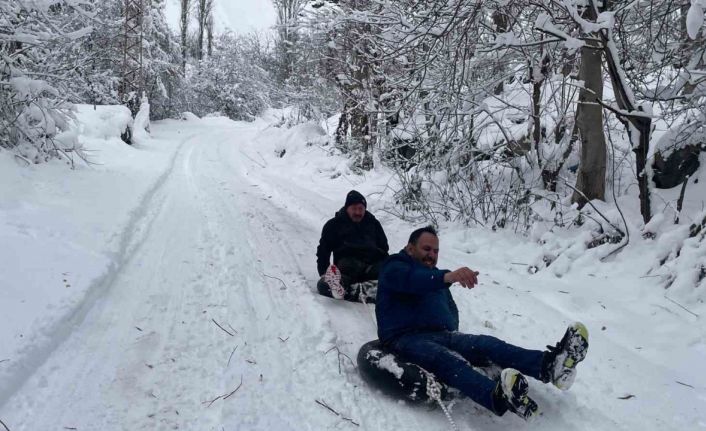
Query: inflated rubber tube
[[394, 377]]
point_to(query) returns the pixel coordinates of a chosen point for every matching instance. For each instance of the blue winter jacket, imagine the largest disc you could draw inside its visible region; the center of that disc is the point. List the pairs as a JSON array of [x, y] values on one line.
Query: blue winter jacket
[[412, 297]]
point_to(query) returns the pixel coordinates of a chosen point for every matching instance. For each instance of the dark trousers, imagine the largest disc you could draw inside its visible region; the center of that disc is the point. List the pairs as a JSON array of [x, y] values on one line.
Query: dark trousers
[[357, 271], [448, 356], [353, 271]]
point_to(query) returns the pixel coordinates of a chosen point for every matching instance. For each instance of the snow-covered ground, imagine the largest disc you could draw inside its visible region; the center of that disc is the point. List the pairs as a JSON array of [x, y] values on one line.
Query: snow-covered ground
[[171, 286]]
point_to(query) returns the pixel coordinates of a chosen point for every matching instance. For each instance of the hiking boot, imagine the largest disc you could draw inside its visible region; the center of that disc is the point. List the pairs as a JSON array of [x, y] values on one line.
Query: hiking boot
[[332, 277], [512, 391], [560, 361]]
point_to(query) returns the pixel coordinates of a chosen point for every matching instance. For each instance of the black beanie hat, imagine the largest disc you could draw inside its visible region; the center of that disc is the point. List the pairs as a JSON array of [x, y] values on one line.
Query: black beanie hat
[[354, 197]]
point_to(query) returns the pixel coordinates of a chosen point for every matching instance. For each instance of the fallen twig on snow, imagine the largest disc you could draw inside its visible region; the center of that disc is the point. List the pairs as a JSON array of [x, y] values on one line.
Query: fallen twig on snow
[[684, 308], [280, 280], [685, 384], [236, 389], [224, 329], [322, 403], [338, 351], [231, 356], [627, 397], [253, 160], [29, 163], [224, 396], [3, 424], [284, 340]]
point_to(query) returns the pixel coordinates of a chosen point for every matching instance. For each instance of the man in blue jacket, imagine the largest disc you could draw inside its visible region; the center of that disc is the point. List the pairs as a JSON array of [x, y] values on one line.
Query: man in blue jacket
[[418, 319]]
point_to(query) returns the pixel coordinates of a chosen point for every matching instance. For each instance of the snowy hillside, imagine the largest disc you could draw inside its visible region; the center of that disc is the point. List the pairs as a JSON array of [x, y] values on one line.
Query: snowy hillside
[[171, 286]]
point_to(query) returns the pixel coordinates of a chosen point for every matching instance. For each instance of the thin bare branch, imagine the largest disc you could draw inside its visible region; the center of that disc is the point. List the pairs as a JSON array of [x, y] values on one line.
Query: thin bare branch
[[222, 328], [275, 278], [224, 396], [323, 404], [681, 306], [231, 355]]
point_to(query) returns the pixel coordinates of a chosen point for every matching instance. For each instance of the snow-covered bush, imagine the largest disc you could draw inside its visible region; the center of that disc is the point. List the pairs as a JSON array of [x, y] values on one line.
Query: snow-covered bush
[[229, 82], [33, 107]]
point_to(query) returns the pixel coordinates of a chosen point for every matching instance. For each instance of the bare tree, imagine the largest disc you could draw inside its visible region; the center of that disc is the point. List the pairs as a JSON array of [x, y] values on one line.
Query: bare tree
[[184, 28], [288, 12], [590, 181], [209, 33], [204, 11]]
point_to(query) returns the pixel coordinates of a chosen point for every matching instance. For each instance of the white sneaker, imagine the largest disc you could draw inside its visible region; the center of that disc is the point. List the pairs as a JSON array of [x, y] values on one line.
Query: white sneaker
[[332, 277]]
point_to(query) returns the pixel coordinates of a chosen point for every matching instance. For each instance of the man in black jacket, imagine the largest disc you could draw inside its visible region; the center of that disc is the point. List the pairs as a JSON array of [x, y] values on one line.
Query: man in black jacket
[[359, 246]]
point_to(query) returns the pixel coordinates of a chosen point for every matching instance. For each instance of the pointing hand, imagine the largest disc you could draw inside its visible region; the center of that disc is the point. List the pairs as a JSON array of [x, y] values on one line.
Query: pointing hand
[[465, 276]]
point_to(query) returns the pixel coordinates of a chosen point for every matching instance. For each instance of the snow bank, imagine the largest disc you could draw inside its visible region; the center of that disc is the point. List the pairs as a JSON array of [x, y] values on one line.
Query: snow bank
[[62, 231], [102, 122]]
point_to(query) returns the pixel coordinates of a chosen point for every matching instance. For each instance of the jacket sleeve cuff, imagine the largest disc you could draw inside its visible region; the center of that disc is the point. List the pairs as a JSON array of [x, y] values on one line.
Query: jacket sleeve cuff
[[436, 280], [443, 272]]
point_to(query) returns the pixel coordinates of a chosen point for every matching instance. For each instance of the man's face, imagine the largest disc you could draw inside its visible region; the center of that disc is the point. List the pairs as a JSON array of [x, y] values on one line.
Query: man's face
[[426, 250], [356, 212]]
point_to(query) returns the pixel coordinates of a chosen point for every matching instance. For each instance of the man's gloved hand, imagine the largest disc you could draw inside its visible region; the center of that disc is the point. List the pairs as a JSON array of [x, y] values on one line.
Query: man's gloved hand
[[465, 276]]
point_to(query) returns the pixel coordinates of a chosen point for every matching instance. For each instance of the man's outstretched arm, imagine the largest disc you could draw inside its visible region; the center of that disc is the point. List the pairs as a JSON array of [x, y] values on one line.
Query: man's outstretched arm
[[465, 276], [413, 280]]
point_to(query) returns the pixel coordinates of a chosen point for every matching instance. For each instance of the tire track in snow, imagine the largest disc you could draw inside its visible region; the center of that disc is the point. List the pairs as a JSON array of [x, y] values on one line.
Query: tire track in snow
[[35, 354], [283, 237], [168, 288]]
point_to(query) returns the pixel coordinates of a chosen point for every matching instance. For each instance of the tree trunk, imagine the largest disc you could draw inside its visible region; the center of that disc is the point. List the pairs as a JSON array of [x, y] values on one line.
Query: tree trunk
[[590, 181], [362, 77], [184, 27], [502, 24], [536, 122], [201, 15], [209, 33], [360, 132], [342, 129]]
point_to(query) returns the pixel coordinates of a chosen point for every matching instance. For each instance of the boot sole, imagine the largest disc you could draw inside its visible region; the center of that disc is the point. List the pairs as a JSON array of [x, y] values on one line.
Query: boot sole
[[526, 407], [578, 345]]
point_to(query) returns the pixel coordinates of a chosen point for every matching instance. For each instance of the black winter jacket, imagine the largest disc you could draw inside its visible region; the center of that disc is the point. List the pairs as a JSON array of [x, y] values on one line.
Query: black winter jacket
[[344, 238]]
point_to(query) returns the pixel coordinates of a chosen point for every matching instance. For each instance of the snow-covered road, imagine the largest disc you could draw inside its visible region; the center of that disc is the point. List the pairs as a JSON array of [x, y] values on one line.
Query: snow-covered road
[[208, 321]]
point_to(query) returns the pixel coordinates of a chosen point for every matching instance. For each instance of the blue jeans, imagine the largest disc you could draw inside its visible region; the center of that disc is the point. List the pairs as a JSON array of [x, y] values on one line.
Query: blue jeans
[[449, 354]]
